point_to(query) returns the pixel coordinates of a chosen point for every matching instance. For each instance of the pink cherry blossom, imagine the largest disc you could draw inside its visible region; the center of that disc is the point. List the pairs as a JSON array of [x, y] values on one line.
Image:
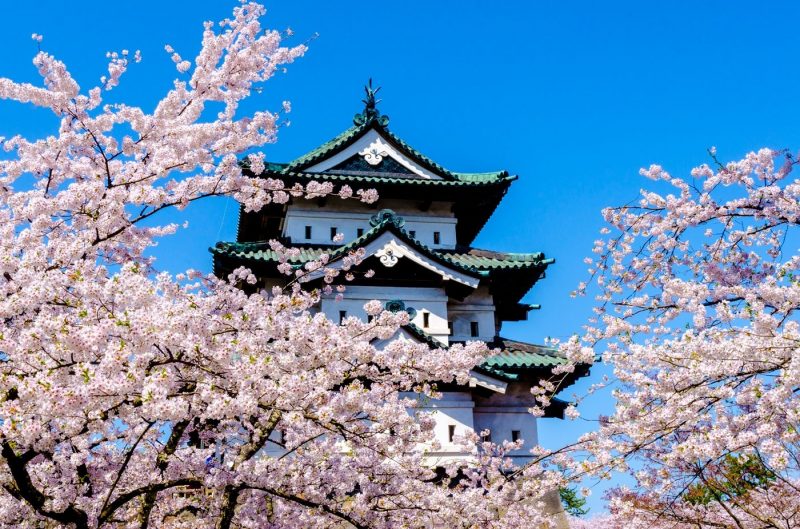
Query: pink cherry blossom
[[698, 290]]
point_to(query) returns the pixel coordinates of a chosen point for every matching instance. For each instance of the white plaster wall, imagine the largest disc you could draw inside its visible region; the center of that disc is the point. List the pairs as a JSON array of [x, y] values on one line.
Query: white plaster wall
[[460, 410], [437, 321], [502, 420], [462, 319], [502, 413], [478, 306], [453, 408], [348, 223], [431, 300], [402, 207]]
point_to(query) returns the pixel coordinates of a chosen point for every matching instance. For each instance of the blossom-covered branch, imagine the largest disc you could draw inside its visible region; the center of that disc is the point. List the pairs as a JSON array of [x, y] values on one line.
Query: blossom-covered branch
[[698, 291]]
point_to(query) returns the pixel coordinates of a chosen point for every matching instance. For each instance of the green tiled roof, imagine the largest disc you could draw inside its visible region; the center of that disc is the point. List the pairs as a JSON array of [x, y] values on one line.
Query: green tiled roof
[[379, 122], [482, 178], [471, 260], [484, 259], [474, 195], [342, 139], [260, 251], [463, 179], [516, 358], [521, 355], [513, 356]]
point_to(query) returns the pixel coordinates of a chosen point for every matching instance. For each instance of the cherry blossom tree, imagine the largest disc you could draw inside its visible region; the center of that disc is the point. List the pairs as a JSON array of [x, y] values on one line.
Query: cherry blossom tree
[[136, 398], [698, 291]]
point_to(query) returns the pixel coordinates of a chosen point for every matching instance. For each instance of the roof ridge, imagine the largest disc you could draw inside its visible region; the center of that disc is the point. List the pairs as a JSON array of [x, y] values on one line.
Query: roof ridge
[[421, 157], [481, 252], [367, 120], [325, 147], [384, 219], [523, 346]]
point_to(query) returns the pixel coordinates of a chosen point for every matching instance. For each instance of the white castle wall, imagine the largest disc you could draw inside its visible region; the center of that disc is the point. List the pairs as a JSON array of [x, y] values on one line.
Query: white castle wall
[[454, 410], [477, 307], [504, 413], [459, 411], [350, 216]]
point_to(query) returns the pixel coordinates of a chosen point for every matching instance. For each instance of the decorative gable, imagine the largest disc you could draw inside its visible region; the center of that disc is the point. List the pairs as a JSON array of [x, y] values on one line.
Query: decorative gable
[[380, 165], [373, 153], [389, 249]]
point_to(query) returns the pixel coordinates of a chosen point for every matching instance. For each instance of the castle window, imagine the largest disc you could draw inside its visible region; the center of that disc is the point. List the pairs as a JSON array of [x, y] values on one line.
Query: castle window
[[515, 436], [437, 237], [359, 232], [487, 438], [450, 328], [308, 232], [473, 329], [342, 316], [451, 432], [426, 319], [334, 231]]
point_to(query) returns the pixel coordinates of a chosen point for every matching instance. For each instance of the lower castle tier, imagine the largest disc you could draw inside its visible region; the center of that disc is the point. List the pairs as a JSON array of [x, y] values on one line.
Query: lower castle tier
[[417, 239]]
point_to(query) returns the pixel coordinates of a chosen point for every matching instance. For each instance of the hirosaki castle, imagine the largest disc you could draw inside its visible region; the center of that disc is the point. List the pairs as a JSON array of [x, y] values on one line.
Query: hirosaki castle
[[417, 239]]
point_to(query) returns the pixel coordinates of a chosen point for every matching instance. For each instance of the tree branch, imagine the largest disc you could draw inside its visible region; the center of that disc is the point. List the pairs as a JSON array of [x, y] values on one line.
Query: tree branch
[[25, 489]]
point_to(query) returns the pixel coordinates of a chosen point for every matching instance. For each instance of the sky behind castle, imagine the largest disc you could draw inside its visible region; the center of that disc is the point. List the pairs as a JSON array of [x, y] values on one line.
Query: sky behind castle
[[574, 97]]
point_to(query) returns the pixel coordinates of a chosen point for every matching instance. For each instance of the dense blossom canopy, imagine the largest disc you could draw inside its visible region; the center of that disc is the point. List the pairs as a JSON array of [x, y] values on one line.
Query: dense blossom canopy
[[133, 398], [697, 313]]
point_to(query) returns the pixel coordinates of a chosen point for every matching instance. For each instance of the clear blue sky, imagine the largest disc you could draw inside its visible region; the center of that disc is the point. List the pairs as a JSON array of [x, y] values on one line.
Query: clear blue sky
[[574, 97]]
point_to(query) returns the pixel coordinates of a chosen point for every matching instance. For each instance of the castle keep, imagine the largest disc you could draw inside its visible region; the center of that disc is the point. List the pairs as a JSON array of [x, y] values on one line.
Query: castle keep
[[417, 239]]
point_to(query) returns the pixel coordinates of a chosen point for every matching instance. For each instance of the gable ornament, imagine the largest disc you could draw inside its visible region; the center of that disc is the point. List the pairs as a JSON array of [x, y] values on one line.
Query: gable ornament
[[387, 256], [374, 153]]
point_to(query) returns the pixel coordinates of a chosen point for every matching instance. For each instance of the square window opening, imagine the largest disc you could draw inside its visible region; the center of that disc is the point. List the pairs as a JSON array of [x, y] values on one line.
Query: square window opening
[[308, 232], [474, 331]]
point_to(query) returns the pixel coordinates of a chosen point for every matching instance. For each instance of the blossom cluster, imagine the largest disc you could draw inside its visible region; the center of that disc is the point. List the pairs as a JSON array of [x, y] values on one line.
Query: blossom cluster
[[697, 291]]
